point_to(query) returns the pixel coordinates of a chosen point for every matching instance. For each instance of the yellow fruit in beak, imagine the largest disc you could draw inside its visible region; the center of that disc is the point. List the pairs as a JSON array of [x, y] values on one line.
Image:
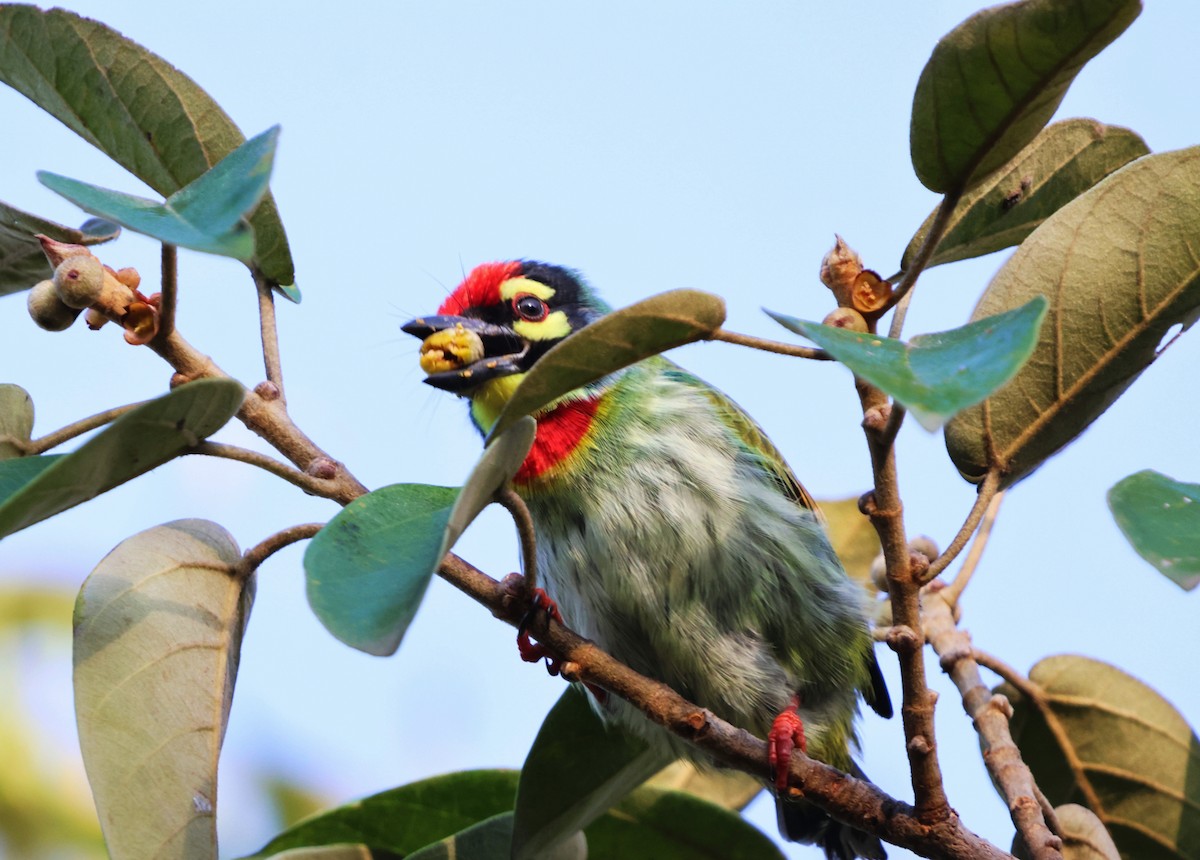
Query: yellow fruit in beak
[[450, 349]]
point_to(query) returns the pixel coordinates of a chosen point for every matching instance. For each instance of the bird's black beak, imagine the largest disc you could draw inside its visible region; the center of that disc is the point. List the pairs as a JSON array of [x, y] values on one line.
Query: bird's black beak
[[460, 353]]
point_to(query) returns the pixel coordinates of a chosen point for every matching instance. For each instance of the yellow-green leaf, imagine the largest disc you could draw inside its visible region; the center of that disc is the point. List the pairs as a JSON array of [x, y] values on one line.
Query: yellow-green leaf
[[853, 537], [158, 629], [1119, 267], [16, 419]]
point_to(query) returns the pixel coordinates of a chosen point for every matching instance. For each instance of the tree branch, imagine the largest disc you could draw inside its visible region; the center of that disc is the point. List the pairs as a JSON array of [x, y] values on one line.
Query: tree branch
[[955, 589], [990, 714], [854, 801], [270, 333], [169, 291], [900, 296], [66, 434], [266, 548], [312, 486], [515, 505]]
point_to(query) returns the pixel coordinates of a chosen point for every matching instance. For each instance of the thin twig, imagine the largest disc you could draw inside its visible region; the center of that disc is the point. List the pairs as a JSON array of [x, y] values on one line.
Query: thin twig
[[170, 291], [65, 434], [955, 589], [259, 553], [990, 714], [770, 345], [848, 799], [515, 505], [895, 418], [899, 315], [270, 333], [994, 664], [937, 229], [987, 491], [306, 482]]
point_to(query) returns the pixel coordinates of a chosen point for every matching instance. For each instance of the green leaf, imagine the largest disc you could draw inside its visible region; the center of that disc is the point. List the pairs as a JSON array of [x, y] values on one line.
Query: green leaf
[[491, 839], [134, 106], [1160, 517], [1119, 268], [329, 852], [616, 340], [406, 818], [730, 789], [935, 375], [140, 440], [205, 215], [158, 629], [1097, 736], [654, 824], [22, 263], [1062, 162], [577, 768], [1083, 836], [994, 81], [368, 568], [499, 462], [17, 472], [16, 419]]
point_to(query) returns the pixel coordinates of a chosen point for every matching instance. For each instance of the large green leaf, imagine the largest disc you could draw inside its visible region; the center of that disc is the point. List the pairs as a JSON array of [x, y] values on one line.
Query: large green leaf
[[406, 818], [1062, 162], [158, 629], [368, 568], [16, 472], [134, 106], [205, 215], [16, 419], [616, 340], [22, 262], [936, 375], [1118, 265], [1161, 519], [576, 770], [656, 824], [491, 839], [140, 440], [994, 81], [1099, 737]]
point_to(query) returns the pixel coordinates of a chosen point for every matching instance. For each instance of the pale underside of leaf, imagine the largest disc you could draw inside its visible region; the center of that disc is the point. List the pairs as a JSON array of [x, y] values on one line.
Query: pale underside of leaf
[[16, 419], [158, 627], [1120, 265]]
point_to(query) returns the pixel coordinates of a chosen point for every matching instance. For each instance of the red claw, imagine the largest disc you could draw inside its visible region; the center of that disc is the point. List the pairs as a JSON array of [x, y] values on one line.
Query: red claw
[[787, 733]]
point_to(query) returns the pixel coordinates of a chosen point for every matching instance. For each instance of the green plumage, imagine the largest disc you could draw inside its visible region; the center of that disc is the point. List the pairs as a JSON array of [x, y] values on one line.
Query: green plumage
[[678, 539]]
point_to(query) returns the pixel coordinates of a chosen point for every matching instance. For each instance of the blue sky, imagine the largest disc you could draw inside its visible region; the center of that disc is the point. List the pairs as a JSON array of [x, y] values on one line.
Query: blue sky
[[703, 145]]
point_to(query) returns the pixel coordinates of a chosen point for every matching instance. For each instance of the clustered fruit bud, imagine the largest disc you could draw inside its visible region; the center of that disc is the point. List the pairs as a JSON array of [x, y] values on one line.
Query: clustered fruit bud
[[854, 287], [82, 281]]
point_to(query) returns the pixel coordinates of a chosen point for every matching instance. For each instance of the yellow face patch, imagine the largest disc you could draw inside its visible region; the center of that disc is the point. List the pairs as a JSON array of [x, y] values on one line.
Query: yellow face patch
[[554, 326], [513, 287], [489, 399]]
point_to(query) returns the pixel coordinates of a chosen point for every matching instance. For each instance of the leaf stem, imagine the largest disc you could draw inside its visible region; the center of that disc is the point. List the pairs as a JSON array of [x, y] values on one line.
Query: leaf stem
[[306, 482], [270, 333], [266, 548], [515, 505], [988, 490], [937, 229], [955, 589], [78, 428], [765, 345], [170, 291]]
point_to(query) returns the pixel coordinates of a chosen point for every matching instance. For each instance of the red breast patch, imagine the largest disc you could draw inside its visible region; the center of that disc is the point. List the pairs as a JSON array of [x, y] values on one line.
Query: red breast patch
[[559, 434]]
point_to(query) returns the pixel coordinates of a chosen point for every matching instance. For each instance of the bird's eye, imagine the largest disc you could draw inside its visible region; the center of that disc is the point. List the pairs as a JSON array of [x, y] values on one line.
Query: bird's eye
[[529, 307]]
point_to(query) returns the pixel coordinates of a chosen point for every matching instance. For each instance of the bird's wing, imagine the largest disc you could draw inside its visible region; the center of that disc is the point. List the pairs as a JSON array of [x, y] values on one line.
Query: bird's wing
[[752, 436]]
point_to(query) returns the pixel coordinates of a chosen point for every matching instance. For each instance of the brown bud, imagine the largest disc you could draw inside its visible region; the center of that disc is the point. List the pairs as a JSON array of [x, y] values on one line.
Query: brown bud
[[48, 310], [267, 390], [925, 546], [178, 379], [323, 468], [80, 281], [56, 251], [839, 268], [847, 318], [870, 292], [129, 277]]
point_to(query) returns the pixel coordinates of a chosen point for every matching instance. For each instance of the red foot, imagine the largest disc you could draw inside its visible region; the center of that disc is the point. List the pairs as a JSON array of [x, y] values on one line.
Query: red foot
[[529, 650], [786, 734]]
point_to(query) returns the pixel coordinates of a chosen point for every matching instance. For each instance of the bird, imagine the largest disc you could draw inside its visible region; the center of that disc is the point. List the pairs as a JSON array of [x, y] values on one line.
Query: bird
[[670, 531]]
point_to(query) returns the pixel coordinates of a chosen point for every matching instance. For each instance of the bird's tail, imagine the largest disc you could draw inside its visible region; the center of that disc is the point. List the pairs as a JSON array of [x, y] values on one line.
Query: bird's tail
[[800, 821]]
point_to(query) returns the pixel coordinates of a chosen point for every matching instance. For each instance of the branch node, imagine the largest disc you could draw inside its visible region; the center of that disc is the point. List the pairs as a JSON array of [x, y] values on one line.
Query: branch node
[[322, 468], [267, 390], [875, 419], [1001, 703], [903, 638], [920, 745]]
